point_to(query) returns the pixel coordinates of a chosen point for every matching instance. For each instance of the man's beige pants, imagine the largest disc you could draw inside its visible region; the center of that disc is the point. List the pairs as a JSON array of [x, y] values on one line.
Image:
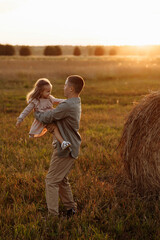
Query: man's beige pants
[[57, 184]]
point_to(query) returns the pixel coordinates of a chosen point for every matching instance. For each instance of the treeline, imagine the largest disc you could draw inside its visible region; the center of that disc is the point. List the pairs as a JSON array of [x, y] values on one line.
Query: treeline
[[9, 50]]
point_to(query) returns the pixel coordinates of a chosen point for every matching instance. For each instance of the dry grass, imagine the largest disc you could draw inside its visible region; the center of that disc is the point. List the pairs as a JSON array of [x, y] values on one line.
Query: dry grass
[[89, 67], [108, 207]]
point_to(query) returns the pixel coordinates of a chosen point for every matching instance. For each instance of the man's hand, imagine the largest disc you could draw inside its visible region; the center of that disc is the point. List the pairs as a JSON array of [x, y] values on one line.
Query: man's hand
[[37, 114]]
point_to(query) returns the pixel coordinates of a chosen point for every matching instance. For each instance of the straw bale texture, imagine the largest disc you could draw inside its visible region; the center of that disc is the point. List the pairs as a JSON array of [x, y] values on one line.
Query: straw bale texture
[[140, 144]]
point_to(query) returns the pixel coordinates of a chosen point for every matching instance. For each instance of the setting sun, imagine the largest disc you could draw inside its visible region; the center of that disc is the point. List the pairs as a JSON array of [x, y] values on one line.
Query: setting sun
[[79, 22]]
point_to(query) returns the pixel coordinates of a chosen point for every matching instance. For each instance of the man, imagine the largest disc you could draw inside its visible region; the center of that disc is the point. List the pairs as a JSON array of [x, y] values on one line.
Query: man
[[67, 117]]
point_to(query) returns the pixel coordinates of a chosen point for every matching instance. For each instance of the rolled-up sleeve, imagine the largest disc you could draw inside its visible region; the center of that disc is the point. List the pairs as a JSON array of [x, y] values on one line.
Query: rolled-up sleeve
[[60, 112]]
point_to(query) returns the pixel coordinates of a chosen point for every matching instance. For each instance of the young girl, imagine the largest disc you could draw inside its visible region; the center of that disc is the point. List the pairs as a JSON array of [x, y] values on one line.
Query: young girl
[[40, 99]]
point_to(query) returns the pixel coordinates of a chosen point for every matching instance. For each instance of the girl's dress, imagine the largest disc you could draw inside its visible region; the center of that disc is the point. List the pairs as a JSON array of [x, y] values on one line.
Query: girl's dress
[[41, 105]]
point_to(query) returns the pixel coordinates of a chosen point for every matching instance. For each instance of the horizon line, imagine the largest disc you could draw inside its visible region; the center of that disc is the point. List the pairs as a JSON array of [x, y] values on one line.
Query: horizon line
[[85, 45]]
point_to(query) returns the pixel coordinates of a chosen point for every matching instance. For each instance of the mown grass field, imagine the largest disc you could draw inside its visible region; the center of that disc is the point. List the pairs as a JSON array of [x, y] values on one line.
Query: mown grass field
[[108, 207]]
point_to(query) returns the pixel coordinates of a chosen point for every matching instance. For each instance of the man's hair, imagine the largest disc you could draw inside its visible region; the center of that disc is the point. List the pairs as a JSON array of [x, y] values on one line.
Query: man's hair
[[77, 82]]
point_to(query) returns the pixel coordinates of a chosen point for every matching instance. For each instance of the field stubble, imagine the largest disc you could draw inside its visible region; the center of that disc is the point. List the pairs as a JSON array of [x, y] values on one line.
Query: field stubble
[[108, 207]]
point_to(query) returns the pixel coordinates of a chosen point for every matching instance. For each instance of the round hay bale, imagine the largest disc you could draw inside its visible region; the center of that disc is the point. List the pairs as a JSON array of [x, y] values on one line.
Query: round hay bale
[[140, 144]]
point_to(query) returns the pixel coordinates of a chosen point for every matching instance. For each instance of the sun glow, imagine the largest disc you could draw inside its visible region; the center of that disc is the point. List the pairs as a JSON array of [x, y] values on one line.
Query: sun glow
[[85, 22]]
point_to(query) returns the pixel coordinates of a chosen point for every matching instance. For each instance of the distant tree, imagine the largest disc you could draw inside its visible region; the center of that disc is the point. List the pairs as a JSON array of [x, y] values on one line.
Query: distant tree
[[25, 51], [2, 49], [52, 51], [48, 51], [77, 51], [9, 50], [57, 50], [99, 51], [112, 52]]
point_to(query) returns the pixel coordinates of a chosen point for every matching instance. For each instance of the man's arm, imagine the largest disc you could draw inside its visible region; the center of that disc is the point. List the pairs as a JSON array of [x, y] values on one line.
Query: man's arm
[[60, 112]]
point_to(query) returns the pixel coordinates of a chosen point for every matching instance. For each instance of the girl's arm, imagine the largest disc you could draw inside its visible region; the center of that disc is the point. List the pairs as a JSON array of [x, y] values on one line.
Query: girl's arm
[[56, 100], [25, 113]]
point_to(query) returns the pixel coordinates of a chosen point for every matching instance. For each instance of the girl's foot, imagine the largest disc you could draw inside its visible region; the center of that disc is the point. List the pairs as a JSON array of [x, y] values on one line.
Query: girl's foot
[[65, 144]]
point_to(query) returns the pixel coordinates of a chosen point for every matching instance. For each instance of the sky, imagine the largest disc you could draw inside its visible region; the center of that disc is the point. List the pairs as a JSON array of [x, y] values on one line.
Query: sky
[[79, 22]]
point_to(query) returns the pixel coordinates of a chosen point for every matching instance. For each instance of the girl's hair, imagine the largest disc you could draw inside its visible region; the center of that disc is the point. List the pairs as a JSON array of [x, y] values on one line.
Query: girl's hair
[[38, 88]]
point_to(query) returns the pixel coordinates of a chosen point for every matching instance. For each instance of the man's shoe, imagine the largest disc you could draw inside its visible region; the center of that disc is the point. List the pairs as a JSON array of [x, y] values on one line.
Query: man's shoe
[[71, 212]]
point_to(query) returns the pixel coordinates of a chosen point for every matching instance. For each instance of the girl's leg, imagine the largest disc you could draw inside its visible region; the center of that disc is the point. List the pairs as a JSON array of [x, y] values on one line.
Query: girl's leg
[[58, 135], [52, 128]]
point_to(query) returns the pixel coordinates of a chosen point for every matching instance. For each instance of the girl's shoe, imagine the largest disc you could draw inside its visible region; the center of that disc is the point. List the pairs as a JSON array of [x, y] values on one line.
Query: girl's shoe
[[65, 144]]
